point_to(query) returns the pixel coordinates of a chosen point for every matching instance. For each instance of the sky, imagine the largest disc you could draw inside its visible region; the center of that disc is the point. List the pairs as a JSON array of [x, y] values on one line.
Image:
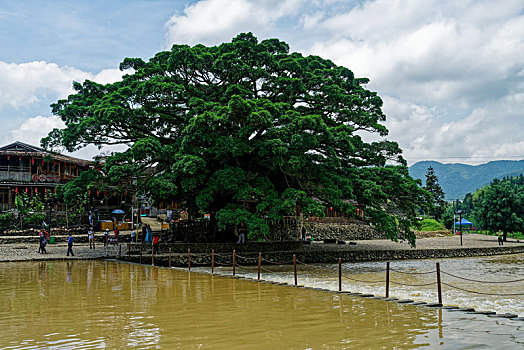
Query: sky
[[450, 73]]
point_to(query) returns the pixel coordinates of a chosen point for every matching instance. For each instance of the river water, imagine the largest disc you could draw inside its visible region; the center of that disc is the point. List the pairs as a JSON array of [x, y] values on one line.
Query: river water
[[113, 305]]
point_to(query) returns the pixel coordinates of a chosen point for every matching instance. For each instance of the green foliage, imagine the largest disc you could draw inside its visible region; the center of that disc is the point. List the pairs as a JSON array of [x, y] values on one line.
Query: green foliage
[[35, 219], [7, 221], [431, 225], [437, 204], [28, 207], [500, 206], [245, 122]]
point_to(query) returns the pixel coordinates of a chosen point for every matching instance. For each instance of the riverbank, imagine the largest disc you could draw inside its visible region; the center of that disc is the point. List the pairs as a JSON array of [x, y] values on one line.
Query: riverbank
[[362, 250]]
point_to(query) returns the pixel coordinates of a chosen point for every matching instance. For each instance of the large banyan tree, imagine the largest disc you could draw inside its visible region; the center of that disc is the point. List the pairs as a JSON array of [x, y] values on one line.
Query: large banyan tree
[[216, 127]]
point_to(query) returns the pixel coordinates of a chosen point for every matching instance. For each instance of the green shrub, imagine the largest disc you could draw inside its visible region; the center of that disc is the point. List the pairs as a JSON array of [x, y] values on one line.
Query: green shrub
[[431, 225]]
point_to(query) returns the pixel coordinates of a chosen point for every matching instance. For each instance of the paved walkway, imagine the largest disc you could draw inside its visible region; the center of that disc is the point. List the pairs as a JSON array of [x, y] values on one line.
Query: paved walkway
[[443, 242]]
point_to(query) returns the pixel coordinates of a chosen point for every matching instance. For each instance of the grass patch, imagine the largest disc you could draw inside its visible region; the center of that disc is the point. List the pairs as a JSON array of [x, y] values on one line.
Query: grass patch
[[430, 225]]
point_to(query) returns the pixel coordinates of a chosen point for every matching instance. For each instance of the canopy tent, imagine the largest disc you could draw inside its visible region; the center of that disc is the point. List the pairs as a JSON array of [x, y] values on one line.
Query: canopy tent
[[463, 222]]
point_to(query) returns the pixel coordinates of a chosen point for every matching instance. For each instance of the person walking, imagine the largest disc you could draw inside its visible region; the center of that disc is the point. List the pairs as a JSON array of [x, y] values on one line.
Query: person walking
[[70, 245], [106, 237], [149, 232], [91, 236], [40, 237], [144, 233], [133, 236], [43, 243]]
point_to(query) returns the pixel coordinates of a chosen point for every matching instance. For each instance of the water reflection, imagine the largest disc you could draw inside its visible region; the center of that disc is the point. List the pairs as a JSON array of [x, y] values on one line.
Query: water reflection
[[112, 305]]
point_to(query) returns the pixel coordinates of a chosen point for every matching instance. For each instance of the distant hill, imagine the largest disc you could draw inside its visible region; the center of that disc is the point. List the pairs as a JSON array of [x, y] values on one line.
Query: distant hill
[[458, 179]]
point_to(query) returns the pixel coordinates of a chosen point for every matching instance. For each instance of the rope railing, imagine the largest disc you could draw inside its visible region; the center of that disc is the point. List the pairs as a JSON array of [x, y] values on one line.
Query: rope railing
[[481, 281], [228, 260], [413, 273], [483, 293], [414, 285], [359, 280]]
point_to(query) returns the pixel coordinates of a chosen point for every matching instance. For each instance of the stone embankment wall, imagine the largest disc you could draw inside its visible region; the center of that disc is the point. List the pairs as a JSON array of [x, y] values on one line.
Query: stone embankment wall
[[322, 231], [317, 256], [346, 232]]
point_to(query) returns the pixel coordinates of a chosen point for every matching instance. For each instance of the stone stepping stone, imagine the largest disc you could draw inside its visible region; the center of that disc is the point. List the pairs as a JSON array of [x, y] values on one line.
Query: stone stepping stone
[[464, 309], [434, 305], [517, 319], [405, 301], [450, 307], [506, 315], [367, 295], [419, 303], [480, 312]]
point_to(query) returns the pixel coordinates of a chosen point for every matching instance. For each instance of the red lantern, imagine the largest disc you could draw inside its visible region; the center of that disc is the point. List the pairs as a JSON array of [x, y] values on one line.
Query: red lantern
[[54, 190], [8, 157], [42, 162], [32, 161], [97, 193], [105, 193], [45, 190], [19, 157], [54, 163], [16, 190], [36, 189], [26, 189]]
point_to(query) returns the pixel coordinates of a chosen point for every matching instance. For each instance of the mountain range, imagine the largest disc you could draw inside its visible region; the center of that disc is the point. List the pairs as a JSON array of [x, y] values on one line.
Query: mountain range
[[459, 179]]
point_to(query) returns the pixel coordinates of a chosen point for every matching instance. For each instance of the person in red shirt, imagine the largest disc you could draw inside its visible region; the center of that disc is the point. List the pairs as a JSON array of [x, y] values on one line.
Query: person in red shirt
[[156, 240]]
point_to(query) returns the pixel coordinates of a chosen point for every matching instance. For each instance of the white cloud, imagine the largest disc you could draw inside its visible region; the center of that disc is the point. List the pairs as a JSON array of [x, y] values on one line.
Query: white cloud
[[27, 83], [211, 22], [33, 129], [450, 73]]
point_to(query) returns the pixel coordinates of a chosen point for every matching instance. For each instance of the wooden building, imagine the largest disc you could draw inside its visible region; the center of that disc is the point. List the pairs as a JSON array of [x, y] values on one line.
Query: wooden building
[[30, 169]]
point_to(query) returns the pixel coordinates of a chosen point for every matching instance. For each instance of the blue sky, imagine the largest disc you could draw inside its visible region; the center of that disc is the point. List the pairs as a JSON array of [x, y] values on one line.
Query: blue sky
[[451, 74]]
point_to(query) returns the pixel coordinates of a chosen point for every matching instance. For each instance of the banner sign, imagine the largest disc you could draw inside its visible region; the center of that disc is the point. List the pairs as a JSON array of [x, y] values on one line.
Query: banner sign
[[45, 178]]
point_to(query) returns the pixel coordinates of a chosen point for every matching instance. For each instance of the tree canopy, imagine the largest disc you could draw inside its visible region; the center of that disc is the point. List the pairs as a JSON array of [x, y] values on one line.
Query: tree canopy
[[500, 206], [437, 204], [246, 121]]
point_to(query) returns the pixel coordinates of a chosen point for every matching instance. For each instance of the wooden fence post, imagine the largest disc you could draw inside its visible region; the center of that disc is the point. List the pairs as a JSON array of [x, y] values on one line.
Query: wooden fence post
[[439, 287], [189, 259], [140, 253], [212, 261], [340, 274], [233, 262], [295, 267], [387, 279], [169, 257], [259, 263], [153, 255]]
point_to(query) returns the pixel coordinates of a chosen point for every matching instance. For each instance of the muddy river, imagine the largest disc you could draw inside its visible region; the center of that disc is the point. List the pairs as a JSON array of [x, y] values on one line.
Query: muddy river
[[112, 305]]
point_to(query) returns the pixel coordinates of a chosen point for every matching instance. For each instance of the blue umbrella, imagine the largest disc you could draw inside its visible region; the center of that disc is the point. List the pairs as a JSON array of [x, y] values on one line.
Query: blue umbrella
[[118, 211]]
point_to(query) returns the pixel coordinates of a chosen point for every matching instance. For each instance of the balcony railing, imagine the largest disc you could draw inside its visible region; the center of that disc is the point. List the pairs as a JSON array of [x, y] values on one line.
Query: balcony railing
[[15, 176], [14, 168]]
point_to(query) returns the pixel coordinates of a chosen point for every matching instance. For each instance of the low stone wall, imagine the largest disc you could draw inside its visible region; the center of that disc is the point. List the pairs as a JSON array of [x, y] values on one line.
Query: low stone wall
[[206, 248], [346, 232], [327, 256]]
